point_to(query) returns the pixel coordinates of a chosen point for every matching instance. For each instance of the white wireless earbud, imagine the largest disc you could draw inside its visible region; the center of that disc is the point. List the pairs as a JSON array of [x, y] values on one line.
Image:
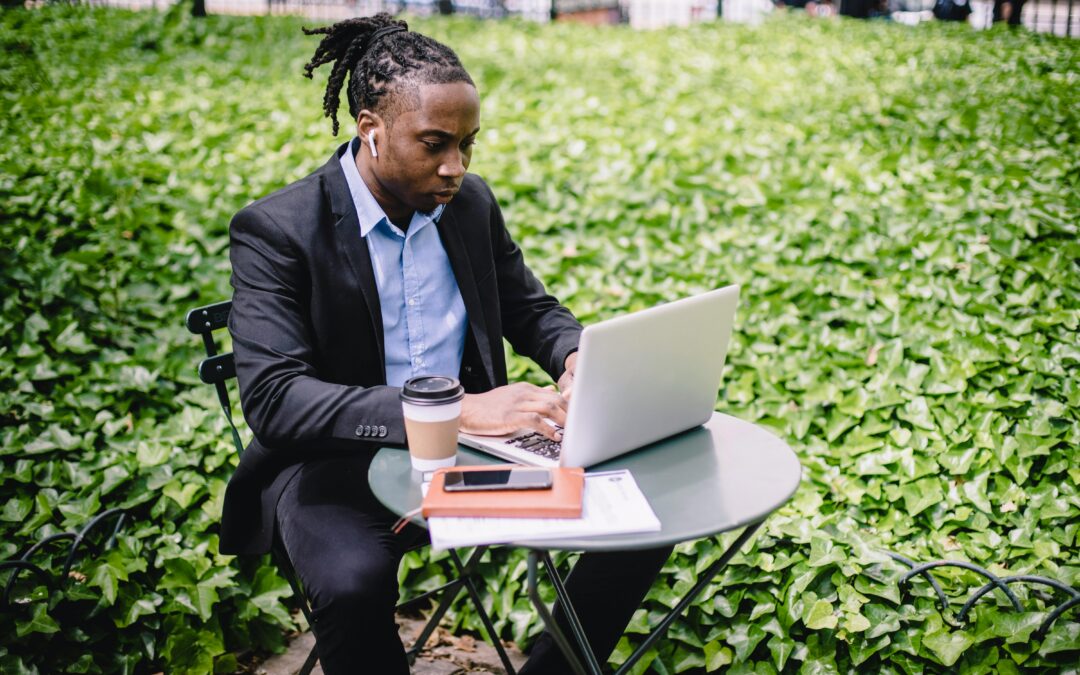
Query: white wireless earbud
[[371, 143]]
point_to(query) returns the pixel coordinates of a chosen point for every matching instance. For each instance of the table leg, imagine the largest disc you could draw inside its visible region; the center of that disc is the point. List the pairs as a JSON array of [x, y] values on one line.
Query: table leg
[[548, 619], [448, 597], [575, 624], [484, 618], [571, 616], [703, 581]]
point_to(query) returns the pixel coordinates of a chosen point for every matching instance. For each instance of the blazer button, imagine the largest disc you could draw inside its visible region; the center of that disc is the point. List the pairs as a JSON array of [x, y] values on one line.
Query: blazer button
[[367, 429], [359, 430], [382, 432]]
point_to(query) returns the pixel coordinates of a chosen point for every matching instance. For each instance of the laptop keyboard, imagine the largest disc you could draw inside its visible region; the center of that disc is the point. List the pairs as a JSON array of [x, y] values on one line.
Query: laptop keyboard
[[538, 444]]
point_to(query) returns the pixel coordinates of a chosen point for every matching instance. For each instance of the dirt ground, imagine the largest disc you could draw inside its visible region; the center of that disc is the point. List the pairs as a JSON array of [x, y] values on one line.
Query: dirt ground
[[445, 654]]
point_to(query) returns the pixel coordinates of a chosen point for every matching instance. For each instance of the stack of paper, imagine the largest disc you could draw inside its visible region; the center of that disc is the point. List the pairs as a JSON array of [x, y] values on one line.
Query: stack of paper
[[613, 504]]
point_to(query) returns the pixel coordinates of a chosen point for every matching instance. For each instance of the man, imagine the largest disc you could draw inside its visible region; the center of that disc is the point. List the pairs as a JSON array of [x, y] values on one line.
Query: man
[[386, 263]]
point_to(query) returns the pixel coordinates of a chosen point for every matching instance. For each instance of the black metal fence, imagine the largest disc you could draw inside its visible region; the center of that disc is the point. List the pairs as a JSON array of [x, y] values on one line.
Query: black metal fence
[[1070, 600], [93, 538]]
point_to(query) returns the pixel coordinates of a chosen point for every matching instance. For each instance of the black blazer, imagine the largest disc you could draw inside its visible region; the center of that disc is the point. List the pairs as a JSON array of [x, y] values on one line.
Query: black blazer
[[308, 337]]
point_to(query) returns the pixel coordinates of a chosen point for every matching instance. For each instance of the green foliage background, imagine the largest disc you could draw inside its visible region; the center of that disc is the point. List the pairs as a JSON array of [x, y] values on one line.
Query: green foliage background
[[900, 205]]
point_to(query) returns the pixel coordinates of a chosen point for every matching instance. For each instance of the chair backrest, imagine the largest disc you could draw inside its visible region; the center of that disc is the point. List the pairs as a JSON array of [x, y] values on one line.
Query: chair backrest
[[215, 369]]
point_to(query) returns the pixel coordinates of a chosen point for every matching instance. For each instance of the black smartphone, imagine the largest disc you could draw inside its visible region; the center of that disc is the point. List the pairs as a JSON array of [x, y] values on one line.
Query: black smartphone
[[524, 478]]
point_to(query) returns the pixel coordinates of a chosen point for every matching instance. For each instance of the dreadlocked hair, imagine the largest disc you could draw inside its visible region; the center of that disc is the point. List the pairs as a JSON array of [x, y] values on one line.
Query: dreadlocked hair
[[399, 61]]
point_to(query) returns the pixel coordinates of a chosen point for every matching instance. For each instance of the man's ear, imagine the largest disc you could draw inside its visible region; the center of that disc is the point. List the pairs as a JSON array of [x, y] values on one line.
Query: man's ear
[[368, 122]]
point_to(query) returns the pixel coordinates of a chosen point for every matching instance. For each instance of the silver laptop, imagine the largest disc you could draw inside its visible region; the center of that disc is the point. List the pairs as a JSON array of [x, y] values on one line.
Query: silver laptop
[[640, 378]]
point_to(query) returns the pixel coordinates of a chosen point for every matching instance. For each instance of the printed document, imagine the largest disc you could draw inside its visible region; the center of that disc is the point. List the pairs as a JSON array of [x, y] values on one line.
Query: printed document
[[612, 504]]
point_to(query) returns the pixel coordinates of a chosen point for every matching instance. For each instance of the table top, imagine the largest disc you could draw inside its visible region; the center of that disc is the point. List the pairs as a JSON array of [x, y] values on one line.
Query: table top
[[714, 478]]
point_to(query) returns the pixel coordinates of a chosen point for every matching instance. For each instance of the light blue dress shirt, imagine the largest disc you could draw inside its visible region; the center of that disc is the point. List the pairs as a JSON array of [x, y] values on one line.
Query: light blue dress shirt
[[423, 314]]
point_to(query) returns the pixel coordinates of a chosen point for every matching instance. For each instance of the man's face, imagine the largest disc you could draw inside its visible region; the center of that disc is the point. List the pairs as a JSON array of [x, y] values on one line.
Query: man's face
[[424, 153]]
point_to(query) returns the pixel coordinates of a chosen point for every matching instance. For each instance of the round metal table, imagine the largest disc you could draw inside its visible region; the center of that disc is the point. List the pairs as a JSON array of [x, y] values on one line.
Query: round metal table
[[724, 475]]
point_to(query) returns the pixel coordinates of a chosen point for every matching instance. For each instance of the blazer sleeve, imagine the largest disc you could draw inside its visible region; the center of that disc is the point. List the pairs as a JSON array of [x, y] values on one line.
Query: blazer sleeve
[[534, 322], [284, 401]]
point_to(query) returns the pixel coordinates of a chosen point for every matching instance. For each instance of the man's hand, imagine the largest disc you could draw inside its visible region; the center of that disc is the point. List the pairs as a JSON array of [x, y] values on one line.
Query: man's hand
[[515, 406], [566, 382]]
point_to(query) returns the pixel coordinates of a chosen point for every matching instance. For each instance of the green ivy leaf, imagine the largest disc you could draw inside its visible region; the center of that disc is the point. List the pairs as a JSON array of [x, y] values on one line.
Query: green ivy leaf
[[862, 647], [716, 656], [17, 508], [38, 622], [821, 616], [72, 340], [182, 493], [1062, 637], [744, 638], [948, 645], [855, 623], [921, 495], [781, 649], [824, 552], [107, 576], [10, 663], [685, 659]]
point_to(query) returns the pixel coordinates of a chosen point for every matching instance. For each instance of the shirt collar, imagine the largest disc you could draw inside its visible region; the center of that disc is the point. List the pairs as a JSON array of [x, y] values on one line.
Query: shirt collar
[[368, 210]]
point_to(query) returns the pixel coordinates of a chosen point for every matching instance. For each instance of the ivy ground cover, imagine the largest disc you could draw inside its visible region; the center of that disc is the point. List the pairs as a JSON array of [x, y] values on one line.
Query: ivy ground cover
[[900, 206]]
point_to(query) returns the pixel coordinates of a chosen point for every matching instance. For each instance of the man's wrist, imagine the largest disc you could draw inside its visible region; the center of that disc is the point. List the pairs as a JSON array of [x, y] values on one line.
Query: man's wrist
[[569, 361]]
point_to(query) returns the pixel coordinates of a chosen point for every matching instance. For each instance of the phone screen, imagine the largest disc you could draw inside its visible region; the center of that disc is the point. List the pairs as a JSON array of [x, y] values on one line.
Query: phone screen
[[498, 479]]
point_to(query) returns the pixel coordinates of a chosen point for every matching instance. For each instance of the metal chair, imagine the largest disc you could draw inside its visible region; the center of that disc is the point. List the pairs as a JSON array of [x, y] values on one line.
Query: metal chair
[[217, 369]]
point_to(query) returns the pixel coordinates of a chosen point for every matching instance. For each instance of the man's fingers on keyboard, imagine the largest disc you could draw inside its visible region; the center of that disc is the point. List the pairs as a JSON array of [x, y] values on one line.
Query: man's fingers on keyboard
[[552, 408], [538, 423]]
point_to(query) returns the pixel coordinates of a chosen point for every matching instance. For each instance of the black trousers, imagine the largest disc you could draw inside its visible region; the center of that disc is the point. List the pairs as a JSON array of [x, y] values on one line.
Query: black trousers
[[339, 539]]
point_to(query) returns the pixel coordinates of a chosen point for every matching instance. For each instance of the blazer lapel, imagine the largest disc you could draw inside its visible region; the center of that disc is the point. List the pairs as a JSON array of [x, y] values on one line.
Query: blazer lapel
[[450, 235], [351, 244]]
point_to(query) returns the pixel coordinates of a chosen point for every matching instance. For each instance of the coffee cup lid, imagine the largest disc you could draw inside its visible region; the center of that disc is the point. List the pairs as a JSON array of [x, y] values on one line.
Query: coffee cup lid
[[432, 390]]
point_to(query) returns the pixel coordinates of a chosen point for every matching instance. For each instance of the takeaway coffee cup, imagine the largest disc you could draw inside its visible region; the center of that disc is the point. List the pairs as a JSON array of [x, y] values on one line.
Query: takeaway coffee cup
[[432, 408]]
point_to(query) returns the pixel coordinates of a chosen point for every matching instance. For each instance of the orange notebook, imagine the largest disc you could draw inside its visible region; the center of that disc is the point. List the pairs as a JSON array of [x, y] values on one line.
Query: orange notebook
[[563, 500]]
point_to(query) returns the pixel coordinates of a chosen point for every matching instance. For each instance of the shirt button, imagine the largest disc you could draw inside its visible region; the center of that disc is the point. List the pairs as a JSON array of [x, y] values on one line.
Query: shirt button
[[412, 301]]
